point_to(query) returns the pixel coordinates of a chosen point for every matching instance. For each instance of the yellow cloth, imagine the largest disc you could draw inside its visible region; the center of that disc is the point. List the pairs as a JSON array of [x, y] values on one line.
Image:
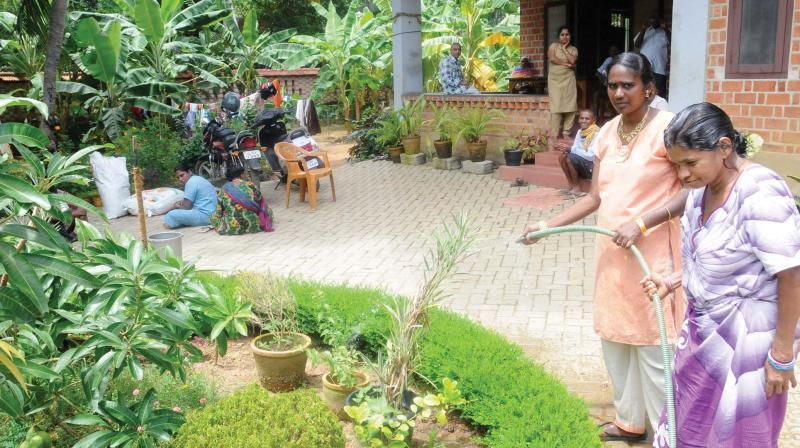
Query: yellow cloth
[[644, 182], [561, 86], [588, 134]]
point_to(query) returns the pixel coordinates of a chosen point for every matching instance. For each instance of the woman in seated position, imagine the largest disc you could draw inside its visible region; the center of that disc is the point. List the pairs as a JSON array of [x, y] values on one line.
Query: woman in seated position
[[736, 353], [199, 200], [241, 208]]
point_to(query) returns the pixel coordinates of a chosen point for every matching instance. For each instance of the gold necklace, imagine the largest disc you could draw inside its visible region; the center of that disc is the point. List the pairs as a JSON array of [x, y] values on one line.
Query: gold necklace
[[625, 138]]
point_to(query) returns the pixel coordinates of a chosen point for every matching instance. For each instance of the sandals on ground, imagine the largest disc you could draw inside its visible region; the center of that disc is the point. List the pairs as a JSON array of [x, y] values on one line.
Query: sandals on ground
[[626, 437]]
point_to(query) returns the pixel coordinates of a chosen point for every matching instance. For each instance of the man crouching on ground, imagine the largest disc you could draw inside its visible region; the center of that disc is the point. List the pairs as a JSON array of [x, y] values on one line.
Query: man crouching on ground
[[578, 161]]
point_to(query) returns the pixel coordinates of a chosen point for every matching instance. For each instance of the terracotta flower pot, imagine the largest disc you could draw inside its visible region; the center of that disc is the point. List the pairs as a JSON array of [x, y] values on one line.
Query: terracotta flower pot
[[394, 153], [477, 151], [335, 394], [411, 145], [281, 371], [444, 148]]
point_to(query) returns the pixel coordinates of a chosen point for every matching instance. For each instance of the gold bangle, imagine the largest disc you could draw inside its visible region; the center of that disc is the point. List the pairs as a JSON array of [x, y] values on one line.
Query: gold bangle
[[640, 223], [669, 214]]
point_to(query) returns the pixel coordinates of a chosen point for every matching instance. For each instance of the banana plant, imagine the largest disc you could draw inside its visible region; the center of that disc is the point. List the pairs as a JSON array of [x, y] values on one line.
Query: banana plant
[[343, 50], [249, 48], [486, 46]]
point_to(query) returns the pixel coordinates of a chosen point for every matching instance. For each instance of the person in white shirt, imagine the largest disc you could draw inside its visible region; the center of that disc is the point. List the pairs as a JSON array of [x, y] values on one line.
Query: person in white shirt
[[577, 162], [602, 71], [653, 43]]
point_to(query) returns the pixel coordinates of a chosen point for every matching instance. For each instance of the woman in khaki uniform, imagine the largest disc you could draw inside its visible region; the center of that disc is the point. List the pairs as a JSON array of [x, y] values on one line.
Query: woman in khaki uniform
[[561, 85]]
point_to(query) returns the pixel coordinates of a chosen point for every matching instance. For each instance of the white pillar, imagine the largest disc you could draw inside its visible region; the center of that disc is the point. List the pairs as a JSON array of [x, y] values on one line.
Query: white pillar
[[687, 76], [406, 48]]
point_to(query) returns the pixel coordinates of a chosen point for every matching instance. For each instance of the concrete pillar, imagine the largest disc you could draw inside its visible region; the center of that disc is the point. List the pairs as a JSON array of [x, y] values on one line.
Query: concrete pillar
[[406, 49], [688, 59]]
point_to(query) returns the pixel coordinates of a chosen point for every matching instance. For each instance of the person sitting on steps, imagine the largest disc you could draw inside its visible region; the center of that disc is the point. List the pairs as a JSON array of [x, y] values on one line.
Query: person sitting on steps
[[577, 162]]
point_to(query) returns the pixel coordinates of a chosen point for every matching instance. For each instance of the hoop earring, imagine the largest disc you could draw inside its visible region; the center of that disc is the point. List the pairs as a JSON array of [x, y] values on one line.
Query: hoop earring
[[725, 164]]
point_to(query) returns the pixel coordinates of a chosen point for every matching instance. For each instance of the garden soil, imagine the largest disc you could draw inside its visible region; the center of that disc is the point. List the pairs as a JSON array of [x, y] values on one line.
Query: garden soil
[[237, 369]]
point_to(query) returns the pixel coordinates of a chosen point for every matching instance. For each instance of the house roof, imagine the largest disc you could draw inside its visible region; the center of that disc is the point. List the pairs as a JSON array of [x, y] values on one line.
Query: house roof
[[14, 77]]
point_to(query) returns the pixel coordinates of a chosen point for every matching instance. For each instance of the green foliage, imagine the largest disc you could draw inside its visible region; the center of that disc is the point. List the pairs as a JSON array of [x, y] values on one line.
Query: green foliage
[[389, 129], [366, 142], [796, 197], [526, 408], [274, 308], [71, 320], [411, 116], [190, 150], [297, 14], [12, 432], [472, 123], [442, 121], [158, 146], [379, 423], [198, 390], [251, 418], [342, 359]]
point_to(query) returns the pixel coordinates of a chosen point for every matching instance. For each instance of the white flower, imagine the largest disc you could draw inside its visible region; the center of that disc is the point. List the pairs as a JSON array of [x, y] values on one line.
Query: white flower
[[754, 143]]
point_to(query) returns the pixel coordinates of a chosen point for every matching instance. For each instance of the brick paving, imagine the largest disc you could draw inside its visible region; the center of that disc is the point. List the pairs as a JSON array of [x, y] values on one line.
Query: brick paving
[[377, 233]]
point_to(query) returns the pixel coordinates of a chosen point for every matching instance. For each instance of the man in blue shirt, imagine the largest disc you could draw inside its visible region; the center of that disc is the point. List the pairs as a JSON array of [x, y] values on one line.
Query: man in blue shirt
[[451, 77], [199, 201], [577, 162]]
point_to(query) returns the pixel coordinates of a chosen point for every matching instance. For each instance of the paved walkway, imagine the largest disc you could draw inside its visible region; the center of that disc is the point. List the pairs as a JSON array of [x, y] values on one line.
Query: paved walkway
[[377, 233]]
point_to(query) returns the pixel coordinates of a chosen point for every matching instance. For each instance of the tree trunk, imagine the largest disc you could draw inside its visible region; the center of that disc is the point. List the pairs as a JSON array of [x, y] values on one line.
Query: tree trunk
[[55, 41]]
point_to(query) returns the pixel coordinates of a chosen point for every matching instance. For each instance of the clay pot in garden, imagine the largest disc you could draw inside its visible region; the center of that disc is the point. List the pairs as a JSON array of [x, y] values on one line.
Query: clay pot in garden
[[394, 153], [477, 151], [411, 145], [444, 148], [335, 394], [281, 371]]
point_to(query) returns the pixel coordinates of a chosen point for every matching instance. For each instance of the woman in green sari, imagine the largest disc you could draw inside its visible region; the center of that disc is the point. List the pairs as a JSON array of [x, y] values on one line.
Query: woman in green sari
[[241, 207]]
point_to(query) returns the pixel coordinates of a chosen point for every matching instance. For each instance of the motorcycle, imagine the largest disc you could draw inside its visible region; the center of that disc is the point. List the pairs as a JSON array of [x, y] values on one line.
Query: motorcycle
[[226, 147]]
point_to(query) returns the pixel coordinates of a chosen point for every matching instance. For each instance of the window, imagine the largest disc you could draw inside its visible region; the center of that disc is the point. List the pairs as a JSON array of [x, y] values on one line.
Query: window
[[759, 36], [617, 20]]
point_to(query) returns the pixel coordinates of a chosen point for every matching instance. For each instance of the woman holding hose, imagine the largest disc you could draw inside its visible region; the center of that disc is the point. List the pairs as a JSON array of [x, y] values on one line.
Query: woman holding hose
[[636, 191], [741, 272]]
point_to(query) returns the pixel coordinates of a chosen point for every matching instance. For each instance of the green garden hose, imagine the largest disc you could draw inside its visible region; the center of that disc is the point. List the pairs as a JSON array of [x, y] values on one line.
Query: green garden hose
[[662, 329]]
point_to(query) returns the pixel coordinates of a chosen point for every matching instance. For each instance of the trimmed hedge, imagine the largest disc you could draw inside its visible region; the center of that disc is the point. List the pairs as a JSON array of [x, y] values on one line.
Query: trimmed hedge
[[508, 396], [252, 418]]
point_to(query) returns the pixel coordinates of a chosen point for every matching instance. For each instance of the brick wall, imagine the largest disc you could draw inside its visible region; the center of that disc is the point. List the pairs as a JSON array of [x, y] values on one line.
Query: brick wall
[[766, 106], [531, 33]]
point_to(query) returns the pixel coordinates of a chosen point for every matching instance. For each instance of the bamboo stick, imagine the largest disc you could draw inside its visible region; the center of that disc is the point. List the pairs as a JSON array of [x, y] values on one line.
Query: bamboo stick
[[138, 186]]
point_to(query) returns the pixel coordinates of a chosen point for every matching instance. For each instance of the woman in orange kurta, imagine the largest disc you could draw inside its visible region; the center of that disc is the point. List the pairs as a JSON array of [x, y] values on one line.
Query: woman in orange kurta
[[636, 192]]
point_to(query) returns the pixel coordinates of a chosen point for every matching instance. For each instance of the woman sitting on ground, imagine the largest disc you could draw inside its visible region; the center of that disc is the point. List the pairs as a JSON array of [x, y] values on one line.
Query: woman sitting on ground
[[241, 208], [736, 353]]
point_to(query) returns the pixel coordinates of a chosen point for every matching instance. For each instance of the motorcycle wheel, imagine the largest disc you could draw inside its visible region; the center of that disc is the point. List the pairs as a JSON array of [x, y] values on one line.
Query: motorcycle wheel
[[210, 171]]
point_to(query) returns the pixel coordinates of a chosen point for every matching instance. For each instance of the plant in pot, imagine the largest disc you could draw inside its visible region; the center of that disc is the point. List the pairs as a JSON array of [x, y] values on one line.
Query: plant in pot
[[442, 123], [388, 133], [280, 351], [345, 375], [386, 414], [533, 144], [472, 124], [411, 119], [512, 152]]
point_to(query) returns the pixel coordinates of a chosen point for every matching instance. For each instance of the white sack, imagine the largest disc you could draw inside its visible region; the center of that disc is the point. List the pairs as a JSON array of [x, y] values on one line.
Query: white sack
[[111, 178], [156, 201]]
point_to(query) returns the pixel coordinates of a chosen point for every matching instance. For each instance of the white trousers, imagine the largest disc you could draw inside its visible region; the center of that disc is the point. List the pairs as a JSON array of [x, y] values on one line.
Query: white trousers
[[637, 376]]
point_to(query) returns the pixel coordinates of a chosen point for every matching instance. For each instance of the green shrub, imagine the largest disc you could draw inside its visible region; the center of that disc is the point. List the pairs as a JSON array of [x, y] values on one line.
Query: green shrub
[[513, 399], [196, 392], [12, 432], [251, 418], [157, 144]]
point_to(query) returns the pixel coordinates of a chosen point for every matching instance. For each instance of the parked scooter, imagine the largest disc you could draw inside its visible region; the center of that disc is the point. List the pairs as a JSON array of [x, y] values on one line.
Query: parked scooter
[[273, 130]]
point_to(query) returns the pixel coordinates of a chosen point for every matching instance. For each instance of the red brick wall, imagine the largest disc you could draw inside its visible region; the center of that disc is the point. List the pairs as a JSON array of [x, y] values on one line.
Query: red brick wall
[[766, 106], [531, 33]]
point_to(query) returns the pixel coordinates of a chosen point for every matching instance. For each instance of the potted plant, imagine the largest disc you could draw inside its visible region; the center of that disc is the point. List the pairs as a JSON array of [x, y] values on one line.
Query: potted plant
[[443, 126], [472, 124], [386, 414], [512, 152], [533, 144], [280, 351], [344, 377], [388, 132], [411, 119]]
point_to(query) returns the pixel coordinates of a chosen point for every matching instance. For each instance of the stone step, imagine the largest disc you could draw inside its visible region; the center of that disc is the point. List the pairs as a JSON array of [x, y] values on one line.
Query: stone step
[[542, 175]]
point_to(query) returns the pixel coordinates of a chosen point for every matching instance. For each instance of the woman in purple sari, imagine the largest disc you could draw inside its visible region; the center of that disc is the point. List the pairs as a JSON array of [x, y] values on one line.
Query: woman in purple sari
[[735, 357]]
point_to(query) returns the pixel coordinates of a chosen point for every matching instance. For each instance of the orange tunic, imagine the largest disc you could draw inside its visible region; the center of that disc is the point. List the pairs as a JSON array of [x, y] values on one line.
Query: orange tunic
[[630, 188]]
